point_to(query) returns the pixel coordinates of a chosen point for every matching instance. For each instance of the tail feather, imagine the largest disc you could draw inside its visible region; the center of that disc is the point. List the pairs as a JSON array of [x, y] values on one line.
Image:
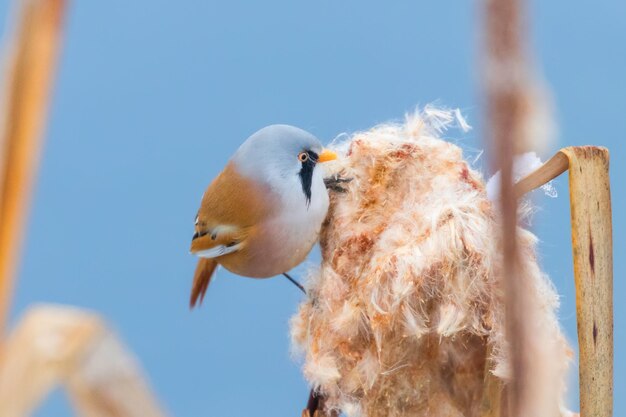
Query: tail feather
[[201, 279]]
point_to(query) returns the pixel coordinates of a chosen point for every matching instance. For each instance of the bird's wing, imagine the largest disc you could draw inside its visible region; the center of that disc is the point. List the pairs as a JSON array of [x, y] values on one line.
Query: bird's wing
[[201, 279], [231, 207], [213, 242]]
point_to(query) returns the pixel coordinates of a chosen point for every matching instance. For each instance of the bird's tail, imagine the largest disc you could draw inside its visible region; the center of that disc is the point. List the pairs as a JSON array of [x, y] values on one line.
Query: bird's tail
[[201, 279]]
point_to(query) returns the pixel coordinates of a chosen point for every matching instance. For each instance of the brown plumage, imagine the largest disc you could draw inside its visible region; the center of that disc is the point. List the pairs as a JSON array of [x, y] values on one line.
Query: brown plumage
[[230, 210], [229, 200]]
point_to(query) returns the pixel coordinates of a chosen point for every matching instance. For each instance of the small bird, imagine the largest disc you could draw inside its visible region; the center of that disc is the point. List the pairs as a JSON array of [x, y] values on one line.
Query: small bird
[[262, 214]]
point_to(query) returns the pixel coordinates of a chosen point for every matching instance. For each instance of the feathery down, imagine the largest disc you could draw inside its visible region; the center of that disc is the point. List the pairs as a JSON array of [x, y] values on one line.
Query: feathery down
[[406, 309]]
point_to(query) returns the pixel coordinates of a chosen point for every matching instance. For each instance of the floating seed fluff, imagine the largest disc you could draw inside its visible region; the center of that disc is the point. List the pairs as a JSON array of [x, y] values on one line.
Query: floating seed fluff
[[405, 314]]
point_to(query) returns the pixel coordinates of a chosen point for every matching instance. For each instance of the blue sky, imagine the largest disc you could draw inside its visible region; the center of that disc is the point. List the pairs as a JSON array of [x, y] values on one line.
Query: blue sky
[[151, 99]]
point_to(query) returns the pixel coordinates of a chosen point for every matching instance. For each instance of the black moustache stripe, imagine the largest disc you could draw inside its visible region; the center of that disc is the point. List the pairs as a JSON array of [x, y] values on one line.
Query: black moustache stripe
[[306, 174]]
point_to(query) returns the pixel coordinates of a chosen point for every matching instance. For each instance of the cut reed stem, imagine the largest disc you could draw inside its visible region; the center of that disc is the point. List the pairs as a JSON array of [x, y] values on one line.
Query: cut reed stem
[[592, 246]]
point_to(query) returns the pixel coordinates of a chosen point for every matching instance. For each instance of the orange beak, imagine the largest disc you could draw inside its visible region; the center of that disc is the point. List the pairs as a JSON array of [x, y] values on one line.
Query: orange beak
[[327, 155]]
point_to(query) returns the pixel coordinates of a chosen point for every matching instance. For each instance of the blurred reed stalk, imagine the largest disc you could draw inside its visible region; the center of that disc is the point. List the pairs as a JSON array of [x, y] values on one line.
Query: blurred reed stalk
[[55, 345], [30, 60], [505, 84], [508, 86], [50, 345]]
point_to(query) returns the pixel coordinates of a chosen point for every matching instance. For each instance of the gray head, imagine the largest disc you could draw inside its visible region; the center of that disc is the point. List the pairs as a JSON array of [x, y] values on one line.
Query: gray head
[[282, 156]]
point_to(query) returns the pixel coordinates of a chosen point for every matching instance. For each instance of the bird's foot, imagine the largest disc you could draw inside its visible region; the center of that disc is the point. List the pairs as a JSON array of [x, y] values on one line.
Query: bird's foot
[[294, 282], [334, 183]]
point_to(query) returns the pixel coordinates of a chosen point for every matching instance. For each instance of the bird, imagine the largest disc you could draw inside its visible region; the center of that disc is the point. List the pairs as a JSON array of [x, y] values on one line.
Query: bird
[[261, 216]]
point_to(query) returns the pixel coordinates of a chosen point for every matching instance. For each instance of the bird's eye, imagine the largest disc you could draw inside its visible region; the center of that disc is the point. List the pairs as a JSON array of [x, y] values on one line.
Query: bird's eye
[[303, 157]]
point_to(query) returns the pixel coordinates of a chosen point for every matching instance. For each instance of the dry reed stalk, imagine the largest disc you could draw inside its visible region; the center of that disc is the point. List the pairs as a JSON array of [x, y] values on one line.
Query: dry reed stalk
[[55, 345], [493, 389], [31, 59], [592, 246]]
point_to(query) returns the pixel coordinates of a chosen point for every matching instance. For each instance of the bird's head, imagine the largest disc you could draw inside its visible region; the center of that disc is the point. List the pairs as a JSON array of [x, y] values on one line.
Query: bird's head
[[284, 158]]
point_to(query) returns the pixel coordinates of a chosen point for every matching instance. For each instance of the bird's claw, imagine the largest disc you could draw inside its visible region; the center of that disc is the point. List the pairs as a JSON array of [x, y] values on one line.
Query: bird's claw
[[334, 183]]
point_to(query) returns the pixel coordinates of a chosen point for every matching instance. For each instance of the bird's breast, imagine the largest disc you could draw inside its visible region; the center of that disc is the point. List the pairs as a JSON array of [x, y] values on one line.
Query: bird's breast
[[282, 241]]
